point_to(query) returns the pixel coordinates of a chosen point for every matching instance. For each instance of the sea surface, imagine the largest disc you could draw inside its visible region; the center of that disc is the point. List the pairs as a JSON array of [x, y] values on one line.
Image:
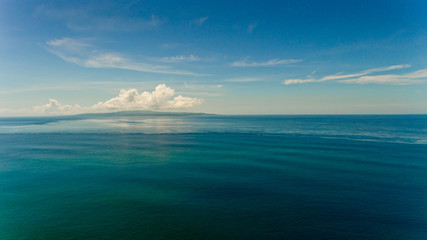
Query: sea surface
[[214, 177]]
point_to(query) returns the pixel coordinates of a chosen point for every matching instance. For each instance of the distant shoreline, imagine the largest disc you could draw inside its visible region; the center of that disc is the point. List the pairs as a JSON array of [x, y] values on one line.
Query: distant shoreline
[[148, 113]]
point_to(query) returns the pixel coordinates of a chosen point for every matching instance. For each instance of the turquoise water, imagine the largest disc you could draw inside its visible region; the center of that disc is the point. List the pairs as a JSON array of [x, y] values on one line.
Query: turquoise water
[[214, 177]]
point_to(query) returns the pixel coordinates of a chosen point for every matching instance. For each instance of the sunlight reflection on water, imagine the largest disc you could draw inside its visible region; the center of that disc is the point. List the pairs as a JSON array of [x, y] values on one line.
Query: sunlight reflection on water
[[410, 129]]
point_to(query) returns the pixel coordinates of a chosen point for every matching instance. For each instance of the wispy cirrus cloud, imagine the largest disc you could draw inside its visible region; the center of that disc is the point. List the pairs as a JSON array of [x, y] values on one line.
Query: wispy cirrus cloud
[[169, 45], [91, 19], [404, 79], [179, 58], [82, 53], [368, 77], [40, 88], [251, 27], [243, 79], [202, 87], [200, 21], [115, 24], [269, 63], [366, 72], [298, 81]]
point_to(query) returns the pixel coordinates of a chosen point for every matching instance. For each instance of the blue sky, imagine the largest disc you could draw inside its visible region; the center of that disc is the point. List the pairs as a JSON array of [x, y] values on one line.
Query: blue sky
[[244, 57]]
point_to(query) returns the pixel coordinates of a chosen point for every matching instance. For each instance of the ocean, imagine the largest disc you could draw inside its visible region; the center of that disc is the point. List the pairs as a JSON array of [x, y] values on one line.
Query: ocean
[[214, 177]]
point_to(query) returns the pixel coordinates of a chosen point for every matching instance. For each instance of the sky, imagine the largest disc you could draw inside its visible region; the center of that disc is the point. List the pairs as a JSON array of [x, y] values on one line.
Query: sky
[[225, 57]]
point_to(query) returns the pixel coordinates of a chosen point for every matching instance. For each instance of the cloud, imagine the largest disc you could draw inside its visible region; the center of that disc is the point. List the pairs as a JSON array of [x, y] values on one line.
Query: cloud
[[41, 88], [200, 21], [15, 112], [91, 18], [273, 62], [202, 87], [115, 24], [162, 98], [366, 77], [404, 79], [69, 44], [366, 72], [179, 58], [251, 27], [417, 74], [297, 81], [169, 45], [55, 107], [81, 53], [243, 79]]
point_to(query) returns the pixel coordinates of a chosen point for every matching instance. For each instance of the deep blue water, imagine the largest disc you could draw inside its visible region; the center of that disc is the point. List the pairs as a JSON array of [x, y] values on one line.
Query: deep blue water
[[214, 177]]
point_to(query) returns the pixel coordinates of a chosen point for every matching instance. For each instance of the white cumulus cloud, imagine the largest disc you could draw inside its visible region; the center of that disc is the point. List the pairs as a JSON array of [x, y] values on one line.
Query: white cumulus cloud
[[54, 107], [162, 98]]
